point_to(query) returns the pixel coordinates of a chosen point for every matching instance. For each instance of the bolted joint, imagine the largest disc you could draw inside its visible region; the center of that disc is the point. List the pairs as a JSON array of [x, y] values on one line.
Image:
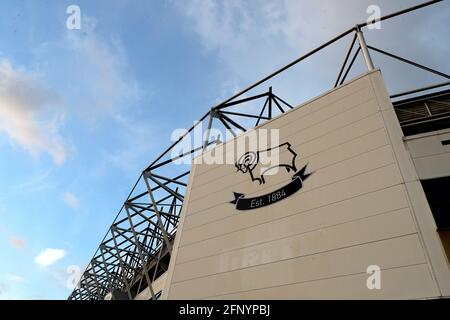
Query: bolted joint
[[146, 173], [214, 113], [127, 205]]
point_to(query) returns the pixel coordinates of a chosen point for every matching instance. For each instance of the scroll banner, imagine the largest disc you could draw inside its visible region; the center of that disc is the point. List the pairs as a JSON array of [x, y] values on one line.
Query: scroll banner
[[295, 185]]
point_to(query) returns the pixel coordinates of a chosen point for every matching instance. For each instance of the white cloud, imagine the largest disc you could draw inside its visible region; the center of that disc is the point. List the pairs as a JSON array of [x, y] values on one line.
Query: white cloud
[[38, 182], [15, 278], [71, 199], [3, 288], [107, 88], [105, 91], [49, 256], [220, 24], [25, 114], [252, 38]]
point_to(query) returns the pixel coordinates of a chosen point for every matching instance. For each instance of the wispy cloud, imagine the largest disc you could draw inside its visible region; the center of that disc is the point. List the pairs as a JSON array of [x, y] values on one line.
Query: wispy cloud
[[133, 146], [15, 278], [8, 285], [18, 243], [251, 38], [27, 112], [3, 288], [49, 256], [219, 23], [108, 88], [105, 92], [71, 199], [35, 183]]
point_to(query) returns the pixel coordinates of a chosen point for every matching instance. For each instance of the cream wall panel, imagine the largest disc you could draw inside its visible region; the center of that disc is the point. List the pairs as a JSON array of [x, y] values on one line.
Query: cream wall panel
[[316, 120], [430, 144], [343, 170], [352, 187], [272, 227], [213, 260], [431, 158], [321, 109], [347, 150], [396, 284], [434, 166], [334, 122], [331, 238], [341, 262], [419, 206]]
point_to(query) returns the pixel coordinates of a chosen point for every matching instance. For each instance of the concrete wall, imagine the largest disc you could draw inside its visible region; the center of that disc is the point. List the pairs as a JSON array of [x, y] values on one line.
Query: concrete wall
[[363, 205], [157, 285]]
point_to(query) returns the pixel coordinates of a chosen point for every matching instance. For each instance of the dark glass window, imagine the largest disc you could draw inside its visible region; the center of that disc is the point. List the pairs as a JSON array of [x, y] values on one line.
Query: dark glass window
[[438, 195]]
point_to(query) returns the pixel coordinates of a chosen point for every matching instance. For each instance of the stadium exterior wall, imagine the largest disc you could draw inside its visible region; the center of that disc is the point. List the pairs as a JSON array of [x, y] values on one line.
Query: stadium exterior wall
[[362, 205]]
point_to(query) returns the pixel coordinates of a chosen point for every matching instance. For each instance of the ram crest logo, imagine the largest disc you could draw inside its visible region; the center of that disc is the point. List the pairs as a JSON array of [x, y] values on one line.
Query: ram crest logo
[[249, 162], [253, 163]]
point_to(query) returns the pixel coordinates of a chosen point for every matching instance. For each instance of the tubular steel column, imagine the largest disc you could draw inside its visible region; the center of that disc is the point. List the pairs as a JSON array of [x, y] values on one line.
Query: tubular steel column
[[365, 50], [208, 130]]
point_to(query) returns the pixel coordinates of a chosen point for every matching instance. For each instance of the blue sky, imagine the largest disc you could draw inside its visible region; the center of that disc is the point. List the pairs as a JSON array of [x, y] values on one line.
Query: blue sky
[[82, 112]]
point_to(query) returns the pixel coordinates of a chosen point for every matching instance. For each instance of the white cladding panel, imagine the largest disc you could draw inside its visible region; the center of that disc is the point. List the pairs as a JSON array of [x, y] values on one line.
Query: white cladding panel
[[430, 155]]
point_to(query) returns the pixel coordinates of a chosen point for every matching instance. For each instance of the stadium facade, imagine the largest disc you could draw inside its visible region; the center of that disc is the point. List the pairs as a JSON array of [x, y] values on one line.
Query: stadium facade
[[361, 204], [357, 207]]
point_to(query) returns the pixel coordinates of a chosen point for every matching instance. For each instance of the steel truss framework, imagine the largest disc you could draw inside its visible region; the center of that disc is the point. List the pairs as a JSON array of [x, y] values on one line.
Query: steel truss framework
[[137, 247]]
